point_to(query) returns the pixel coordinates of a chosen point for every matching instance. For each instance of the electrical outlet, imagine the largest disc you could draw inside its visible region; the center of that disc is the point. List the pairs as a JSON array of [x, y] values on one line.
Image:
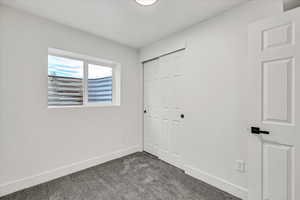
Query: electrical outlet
[[240, 166]]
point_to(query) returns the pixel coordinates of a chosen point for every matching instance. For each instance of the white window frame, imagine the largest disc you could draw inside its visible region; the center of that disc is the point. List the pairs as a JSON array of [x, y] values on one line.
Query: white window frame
[[116, 77]]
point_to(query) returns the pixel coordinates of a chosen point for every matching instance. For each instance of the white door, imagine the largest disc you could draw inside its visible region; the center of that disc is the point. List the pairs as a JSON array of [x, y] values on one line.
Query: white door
[[164, 117], [274, 71], [151, 107]]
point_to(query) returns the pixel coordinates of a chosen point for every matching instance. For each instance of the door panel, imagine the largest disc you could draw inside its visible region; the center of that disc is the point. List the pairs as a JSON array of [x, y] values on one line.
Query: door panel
[[278, 91], [274, 58], [150, 107], [163, 97], [277, 171]]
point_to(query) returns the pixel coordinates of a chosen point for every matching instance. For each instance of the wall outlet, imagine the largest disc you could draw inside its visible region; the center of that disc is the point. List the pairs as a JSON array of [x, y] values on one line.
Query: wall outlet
[[240, 166]]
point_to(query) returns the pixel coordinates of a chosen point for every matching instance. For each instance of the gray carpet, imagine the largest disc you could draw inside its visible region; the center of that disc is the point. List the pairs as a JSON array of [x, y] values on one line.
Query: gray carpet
[[135, 177]]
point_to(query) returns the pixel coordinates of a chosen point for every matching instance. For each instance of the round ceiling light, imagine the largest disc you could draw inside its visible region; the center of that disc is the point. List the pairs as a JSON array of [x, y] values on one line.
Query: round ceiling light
[[146, 2]]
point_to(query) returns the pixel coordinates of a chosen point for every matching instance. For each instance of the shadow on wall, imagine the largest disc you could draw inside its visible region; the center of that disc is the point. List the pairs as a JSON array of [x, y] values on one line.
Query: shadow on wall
[[291, 4]]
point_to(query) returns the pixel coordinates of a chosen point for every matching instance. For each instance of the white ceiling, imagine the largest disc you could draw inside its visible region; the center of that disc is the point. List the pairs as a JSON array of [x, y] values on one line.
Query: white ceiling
[[123, 20]]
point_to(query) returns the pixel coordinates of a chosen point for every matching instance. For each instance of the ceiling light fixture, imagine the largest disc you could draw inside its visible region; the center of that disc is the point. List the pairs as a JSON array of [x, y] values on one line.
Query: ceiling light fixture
[[146, 2]]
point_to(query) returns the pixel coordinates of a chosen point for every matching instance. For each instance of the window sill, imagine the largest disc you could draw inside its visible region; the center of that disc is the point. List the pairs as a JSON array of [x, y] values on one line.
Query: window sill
[[84, 106]]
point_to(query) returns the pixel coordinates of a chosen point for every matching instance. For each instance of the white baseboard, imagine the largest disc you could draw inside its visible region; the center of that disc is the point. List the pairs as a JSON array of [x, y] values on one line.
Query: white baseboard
[[46, 176], [217, 182]]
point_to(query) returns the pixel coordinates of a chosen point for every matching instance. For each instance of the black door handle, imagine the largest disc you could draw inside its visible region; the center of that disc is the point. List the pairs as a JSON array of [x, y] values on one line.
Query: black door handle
[[182, 116], [257, 131]]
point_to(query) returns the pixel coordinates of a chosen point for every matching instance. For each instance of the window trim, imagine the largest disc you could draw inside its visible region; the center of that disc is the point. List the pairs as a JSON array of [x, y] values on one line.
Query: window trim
[[116, 78]]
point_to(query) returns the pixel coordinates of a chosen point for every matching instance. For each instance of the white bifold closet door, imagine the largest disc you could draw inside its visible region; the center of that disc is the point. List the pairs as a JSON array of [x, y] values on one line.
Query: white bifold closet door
[[163, 107]]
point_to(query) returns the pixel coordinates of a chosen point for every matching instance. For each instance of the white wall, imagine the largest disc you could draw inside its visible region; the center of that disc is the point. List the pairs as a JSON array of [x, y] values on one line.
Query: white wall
[[215, 133], [37, 143]]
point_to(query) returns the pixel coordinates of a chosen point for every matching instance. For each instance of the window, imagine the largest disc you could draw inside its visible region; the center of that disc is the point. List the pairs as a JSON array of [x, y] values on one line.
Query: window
[[99, 84], [65, 81], [77, 80]]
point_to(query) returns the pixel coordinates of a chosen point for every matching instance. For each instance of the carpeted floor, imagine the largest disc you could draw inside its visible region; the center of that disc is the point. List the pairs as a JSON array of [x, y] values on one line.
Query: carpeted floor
[[135, 177]]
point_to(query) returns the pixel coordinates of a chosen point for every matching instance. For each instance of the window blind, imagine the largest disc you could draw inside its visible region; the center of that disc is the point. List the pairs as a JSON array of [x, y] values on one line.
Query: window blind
[[100, 89], [64, 91]]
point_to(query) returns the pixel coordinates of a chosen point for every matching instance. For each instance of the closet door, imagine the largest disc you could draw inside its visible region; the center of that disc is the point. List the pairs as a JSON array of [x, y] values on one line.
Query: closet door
[[151, 107], [164, 114]]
